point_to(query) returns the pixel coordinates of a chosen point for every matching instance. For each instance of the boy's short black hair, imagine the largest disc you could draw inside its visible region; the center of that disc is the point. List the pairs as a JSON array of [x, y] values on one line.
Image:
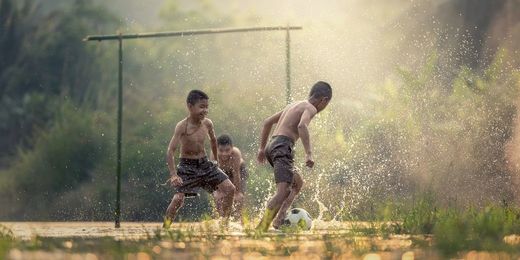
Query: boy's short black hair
[[195, 95], [224, 140], [321, 89]]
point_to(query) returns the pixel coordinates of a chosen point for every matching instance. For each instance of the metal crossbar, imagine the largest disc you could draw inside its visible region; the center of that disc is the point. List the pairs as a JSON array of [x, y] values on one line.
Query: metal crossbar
[[186, 33]]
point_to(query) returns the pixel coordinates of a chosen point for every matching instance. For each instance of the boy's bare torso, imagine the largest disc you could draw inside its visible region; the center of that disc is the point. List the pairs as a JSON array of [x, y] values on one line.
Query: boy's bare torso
[[227, 164], [193, 137], [290, 118]]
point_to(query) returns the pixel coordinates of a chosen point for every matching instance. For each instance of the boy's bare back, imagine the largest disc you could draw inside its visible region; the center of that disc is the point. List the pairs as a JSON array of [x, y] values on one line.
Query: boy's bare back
[[291, 117], [292, 122]]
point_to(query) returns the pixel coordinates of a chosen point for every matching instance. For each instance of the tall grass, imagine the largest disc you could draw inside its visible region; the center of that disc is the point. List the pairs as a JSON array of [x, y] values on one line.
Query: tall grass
[[6, 241], [454, 229]]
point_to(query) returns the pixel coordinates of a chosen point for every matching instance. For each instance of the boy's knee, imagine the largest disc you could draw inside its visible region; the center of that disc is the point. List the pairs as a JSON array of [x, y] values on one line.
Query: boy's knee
[[217, 195], [284, 192], [297, 184], [178, 198], [228, 189]]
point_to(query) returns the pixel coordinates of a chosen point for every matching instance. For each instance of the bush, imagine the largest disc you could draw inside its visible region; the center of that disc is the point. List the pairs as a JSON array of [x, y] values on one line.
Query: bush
[[62, 158]]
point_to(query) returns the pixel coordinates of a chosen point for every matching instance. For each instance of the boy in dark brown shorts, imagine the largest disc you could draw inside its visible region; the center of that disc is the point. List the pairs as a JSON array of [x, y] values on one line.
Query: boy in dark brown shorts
[[195, 171], [291, 124], [230, 160]]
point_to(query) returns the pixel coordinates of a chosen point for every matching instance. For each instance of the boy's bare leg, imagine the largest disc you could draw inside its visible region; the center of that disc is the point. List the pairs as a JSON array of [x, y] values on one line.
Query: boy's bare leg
[[238, 203], [282, 191], [236, 210], [175, 205], [228, 192], [296, 186], [218, 197]]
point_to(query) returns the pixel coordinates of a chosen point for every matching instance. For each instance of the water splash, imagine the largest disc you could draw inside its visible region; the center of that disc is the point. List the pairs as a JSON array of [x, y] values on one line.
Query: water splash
[[321, 207]]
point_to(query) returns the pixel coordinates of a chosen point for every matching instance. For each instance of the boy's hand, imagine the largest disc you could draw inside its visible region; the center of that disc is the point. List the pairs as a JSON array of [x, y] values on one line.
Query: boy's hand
[[175, 180], [309, 162], [260, 157]]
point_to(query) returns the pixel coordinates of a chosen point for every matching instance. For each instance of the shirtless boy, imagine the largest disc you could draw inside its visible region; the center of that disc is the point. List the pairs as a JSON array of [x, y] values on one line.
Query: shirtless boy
[[230, 160], [195, 170], [291, 124]]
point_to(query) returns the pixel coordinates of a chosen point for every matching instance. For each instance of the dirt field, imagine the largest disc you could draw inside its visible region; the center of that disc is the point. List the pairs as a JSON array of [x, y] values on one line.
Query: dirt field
[[205, 240], [143, 230]]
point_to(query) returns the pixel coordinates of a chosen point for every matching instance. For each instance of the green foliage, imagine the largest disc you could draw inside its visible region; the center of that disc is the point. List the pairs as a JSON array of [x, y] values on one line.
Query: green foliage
[[45, 58], [422, 217], [419, 134], [483, 229], [451, 232], [412, 132], [62, 159], [6, 240], [454, 229]]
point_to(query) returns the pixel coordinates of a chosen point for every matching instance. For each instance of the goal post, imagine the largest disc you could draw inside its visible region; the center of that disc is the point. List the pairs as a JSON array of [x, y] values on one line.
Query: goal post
[[121, 37]]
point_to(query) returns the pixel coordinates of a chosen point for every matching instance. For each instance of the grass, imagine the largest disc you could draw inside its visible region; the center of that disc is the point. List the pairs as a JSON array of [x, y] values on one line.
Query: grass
[[455, 230], [421, 225], [473, 229], [6, 241]]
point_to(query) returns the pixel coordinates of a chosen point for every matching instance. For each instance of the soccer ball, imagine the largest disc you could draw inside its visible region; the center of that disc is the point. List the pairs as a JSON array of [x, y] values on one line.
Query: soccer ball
[[298, 217]]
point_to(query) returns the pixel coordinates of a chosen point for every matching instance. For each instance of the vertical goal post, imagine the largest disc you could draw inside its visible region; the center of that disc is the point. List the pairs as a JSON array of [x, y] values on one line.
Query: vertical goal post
[[120, 37]]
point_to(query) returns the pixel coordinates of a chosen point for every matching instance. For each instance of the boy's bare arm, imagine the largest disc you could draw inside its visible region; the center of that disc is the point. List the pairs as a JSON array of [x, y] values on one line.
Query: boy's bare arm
[[303, 132], [237, 178], [212, 139], [266, 129], [172, 147]]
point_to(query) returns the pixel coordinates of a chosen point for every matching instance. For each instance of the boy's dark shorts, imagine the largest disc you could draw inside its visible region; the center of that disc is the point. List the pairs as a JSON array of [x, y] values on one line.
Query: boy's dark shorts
[[280, 154], [199, 173], [243, 176]]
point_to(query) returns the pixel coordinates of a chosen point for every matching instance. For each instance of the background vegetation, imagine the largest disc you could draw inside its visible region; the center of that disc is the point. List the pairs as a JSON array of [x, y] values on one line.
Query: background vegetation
[[425, 101]]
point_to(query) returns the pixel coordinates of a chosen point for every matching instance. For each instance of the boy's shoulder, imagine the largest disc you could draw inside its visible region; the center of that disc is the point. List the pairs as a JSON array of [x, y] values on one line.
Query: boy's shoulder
[[236, 151], [307, 105], [206, 121], [299, 105], [236, 155], [181, 123]]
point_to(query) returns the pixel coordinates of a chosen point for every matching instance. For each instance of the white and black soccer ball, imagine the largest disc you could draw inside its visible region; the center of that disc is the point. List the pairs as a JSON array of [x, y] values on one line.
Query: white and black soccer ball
[[298, 217]]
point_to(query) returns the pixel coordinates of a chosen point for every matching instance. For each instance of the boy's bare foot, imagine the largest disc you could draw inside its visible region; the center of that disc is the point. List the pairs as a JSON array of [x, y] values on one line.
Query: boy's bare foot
[[277, 224], [223, 224], [278, 221], [167, 222], [265, 222]]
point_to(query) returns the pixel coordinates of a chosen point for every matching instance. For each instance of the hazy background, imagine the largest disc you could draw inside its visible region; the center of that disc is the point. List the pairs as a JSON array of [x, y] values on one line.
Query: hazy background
[[425, 101]]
